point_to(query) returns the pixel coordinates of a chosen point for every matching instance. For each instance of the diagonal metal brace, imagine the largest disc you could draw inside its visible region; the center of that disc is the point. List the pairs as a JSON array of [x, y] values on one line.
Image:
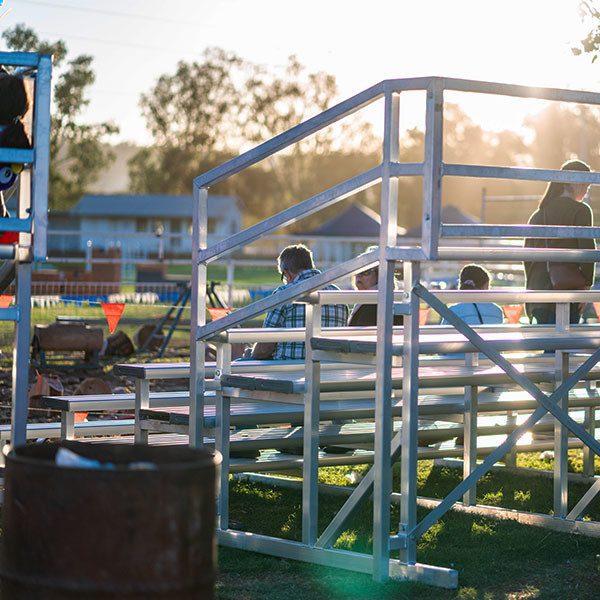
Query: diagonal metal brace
[[512, 372], [499, 452], [584, 502], [363, 490]]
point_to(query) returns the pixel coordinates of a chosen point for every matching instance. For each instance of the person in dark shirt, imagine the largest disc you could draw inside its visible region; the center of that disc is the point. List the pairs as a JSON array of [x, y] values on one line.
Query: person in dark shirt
[[562, 204], [365, 315]]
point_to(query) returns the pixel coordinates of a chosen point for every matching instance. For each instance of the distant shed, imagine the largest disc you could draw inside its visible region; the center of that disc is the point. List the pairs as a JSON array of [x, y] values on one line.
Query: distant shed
[[350, 232]]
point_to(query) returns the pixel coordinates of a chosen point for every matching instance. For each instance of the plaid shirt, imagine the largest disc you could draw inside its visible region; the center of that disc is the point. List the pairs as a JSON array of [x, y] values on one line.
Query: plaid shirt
[[293, 315]]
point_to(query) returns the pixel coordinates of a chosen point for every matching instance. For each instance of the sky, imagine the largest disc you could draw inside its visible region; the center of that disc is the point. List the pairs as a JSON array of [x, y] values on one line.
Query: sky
[[362, 42]]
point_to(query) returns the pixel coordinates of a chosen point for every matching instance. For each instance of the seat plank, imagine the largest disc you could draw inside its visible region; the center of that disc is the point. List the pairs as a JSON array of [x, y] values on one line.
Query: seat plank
[[364, 379], [449, 343]]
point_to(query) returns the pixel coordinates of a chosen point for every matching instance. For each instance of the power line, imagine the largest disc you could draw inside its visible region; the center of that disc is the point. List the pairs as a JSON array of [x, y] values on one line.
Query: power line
[[112, 13], [116, 43]]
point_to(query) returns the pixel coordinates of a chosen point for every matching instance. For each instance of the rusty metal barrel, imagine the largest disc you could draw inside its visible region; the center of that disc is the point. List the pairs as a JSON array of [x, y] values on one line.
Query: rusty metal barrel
[[143, 529]]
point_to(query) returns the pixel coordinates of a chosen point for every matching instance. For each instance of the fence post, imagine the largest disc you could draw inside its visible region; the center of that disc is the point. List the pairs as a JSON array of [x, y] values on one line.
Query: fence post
[[88, 256]]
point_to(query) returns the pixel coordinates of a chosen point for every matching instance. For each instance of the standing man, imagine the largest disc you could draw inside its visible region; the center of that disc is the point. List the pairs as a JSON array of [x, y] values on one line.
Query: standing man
[[295, 264]]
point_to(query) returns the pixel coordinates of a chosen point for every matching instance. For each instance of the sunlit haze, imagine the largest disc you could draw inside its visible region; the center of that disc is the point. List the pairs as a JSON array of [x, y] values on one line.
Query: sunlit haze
[[517, 41]]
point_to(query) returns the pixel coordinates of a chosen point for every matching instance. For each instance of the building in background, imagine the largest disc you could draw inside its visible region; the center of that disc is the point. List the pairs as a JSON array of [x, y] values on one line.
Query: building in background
[[347, 234], [142, 225]]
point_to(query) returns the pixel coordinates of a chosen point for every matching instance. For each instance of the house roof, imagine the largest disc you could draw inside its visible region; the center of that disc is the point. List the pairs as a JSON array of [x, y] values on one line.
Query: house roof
[[450, 215], [356, 220], [148, 206]]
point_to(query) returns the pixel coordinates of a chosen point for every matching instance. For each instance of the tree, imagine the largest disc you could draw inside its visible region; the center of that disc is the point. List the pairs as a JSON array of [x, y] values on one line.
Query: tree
[[590, 44], [209, 111], [190, 114], [77, 152]]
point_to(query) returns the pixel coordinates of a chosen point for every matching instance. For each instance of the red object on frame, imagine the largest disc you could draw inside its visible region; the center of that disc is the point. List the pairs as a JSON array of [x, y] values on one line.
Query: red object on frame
[[9, 237], [218, 313], [5, 300]]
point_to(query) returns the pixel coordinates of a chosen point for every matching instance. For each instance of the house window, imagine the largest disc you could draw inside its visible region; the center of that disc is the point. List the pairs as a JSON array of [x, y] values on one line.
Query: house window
[[141, 225]]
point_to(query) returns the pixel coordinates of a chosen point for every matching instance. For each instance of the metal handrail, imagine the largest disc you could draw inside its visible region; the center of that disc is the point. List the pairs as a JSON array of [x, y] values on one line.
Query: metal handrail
[[520, 173], [343, 190], [519, 231], [289, 294], [16, 155], [292, 214], [520, 91], [22, 59], [291, 136], [504, 296]]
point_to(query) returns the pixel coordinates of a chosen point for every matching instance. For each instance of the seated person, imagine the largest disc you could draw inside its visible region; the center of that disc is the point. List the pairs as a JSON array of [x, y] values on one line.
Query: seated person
[[475, 277], [365, 315], [295, 264]]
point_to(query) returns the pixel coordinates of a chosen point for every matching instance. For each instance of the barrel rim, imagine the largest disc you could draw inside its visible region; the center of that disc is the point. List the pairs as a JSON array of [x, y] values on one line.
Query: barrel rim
[[204, 458]]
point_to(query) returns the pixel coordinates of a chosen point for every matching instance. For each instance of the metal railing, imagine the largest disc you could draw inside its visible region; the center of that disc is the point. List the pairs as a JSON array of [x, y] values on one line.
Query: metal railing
[[430, 248]]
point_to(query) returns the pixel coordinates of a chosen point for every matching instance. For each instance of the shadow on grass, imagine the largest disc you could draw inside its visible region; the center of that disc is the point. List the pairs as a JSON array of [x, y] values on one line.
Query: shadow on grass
[[495, 559]]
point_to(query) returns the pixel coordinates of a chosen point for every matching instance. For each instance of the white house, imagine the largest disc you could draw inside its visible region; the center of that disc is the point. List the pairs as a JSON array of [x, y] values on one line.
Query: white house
[[150, 223]]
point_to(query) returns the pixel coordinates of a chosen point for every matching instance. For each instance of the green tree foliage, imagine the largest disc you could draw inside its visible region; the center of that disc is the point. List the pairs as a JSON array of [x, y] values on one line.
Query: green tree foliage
[[77, 151], [590, 44], [190, 114], [207, 111]]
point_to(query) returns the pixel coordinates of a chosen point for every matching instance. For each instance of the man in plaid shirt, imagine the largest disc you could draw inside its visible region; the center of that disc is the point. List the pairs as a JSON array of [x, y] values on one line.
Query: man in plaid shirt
[[295, 263]]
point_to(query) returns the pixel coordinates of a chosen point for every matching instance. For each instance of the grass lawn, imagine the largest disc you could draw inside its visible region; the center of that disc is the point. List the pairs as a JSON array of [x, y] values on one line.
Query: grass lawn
[[495, 559], [244, 275]]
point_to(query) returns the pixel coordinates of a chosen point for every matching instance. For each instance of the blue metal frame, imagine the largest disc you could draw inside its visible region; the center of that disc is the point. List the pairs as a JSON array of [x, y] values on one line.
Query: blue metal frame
[[31, 222]]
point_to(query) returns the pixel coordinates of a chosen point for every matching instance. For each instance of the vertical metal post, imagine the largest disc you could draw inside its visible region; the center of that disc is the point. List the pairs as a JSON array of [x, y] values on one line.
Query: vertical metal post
[[589, 422], [310, 467], [88, 256], [230, 279], [470, 431], [432, 169], [561, 366], [20, 372], [67, 425], [510, 459], [41, 167], [222, 443], [410, 414], [198, 316], [382, 467], [483, 202], [142, 401]]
